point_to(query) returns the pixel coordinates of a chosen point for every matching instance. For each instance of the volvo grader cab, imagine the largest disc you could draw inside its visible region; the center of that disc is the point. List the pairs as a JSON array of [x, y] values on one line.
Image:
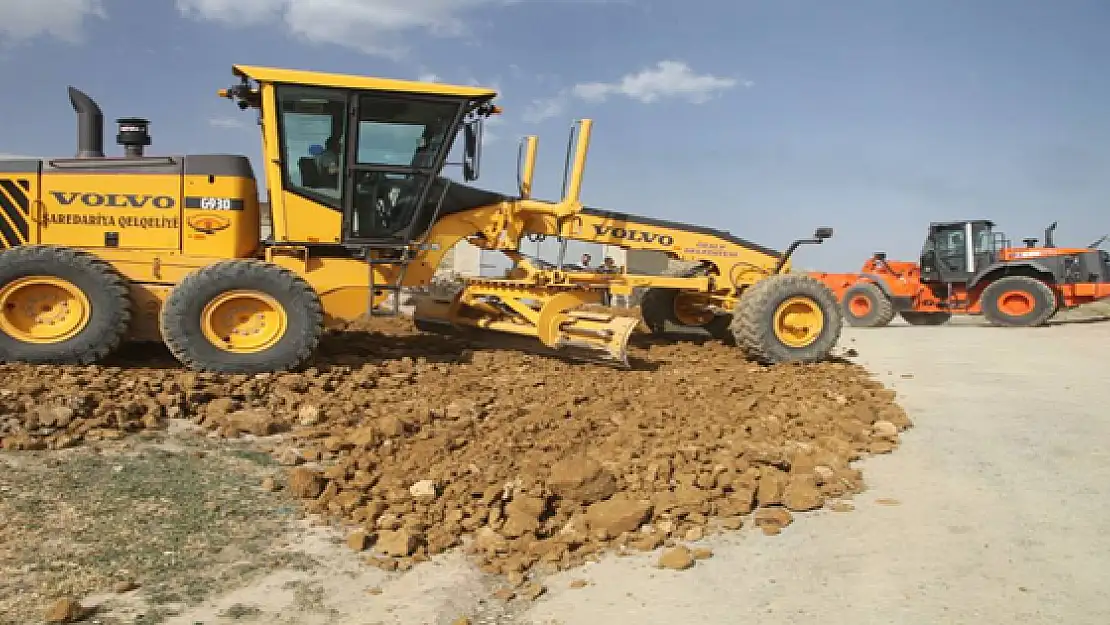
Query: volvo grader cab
[[99, 249]]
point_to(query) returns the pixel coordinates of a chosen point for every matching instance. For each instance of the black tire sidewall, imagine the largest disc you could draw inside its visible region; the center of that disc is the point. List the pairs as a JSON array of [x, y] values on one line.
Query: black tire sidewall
[[657, 308], [925, 318], [108, 314], [1041, 293], [183, 311], [873, 295]]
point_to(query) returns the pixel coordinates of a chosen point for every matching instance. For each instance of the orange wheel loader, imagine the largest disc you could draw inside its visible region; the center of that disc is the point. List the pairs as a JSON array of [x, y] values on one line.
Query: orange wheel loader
[[969, 268]]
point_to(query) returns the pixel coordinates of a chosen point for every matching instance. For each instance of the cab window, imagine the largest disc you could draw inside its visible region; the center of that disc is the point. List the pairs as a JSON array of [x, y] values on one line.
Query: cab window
[[399, 145], [951, 242], [403, 132], [984, 239], [313, 130]]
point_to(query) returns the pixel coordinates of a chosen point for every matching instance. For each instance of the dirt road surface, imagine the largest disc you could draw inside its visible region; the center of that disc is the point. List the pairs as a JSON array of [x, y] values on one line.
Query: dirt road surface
[[989, 510], [993, 510]]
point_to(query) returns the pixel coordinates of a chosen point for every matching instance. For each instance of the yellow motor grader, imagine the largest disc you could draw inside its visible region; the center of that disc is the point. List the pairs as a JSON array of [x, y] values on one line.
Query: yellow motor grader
[[100, 249]]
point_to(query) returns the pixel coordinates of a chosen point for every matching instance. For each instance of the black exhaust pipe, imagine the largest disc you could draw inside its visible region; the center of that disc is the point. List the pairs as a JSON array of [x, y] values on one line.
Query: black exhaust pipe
[[90, 125], [1048, 242]]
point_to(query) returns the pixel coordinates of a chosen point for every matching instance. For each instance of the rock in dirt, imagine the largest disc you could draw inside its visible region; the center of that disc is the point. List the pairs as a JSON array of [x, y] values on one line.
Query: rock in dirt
[[802, 494], [305, 483], [397, 543], [772, 520], [617, 515], [581, 479], [65, 610], [678, 558]]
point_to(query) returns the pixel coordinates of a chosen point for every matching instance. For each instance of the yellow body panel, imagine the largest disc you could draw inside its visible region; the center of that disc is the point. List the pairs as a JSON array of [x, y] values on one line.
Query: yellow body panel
[[221, 217], [270, 75], [299, 220], [80, 209]]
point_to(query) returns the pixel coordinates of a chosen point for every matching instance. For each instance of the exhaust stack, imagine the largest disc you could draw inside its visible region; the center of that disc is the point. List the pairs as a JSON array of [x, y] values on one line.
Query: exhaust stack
[[90, 125], [1048, 241]]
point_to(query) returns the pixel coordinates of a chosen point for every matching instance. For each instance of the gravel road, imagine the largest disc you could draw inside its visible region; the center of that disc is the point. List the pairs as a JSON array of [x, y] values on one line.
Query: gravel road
[[991, 511]]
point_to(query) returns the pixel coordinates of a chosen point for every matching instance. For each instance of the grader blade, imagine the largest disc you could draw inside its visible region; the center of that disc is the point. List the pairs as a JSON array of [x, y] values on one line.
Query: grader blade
[[552, 329]]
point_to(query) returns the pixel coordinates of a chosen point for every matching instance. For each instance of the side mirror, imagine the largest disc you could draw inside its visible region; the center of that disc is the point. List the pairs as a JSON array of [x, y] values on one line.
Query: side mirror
[[880, 255], [823, 232], [472, 144], [315, 149]]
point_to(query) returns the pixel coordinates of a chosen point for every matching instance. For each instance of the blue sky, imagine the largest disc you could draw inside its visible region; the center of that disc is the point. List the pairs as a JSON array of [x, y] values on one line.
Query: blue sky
[[766, 118]]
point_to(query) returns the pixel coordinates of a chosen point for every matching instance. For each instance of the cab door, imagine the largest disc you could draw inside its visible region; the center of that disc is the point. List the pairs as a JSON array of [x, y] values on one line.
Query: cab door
[[946, 256], [397, 149]]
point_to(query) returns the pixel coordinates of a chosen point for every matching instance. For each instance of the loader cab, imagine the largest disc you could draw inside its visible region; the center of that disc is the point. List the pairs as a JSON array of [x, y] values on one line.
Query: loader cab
[[368, 149], [956, 251]]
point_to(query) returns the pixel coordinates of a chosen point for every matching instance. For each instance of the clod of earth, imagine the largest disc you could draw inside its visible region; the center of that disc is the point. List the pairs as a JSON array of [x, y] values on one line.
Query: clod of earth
[[419, 443], [678, 558], [65, 610]]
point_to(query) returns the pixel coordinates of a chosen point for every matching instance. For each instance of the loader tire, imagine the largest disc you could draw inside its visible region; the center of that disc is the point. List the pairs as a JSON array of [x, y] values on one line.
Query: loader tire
[[1018, 301], [242, 316], [787, 318], [60, 306], [915, 318], [866, 306]]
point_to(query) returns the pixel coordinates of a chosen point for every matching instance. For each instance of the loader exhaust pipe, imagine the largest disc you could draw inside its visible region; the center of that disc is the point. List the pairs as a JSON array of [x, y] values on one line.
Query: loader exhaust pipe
[[1048, 241], [90, 125]]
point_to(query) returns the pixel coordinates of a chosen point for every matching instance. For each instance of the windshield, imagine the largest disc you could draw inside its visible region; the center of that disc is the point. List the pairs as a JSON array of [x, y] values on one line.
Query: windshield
[[388, 144]]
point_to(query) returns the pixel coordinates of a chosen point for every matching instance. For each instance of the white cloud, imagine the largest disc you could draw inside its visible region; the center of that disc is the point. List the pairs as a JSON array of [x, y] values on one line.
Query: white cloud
[[428, 77], [23, 20], [541, 109], [667, 79], [5, 155], [226, 122], [370, 26]]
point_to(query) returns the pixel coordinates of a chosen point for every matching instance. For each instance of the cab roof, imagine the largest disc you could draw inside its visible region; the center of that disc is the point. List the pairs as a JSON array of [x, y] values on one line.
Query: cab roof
[[347, 81]]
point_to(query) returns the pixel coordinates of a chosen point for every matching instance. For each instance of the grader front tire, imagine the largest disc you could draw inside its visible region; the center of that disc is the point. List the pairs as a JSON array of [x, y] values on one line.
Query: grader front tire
[[242, 316], [787, 318], [60, 306]]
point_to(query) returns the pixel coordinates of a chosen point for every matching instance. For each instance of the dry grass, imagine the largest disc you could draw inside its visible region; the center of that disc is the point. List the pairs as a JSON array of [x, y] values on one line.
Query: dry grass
[[180, 522]]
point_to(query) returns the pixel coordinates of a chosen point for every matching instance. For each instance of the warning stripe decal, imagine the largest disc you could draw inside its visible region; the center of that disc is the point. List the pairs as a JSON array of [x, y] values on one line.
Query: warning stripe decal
[[14, 210]]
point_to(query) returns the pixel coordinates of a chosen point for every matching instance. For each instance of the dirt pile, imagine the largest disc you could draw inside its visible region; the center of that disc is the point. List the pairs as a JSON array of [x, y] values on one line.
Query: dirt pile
[[416, 441]]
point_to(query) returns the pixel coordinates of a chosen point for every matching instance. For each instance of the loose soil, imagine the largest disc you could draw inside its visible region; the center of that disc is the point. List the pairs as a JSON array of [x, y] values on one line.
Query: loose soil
[[414, 444]]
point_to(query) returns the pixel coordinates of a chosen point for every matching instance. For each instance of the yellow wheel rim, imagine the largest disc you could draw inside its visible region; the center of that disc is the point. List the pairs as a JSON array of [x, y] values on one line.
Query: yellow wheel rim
[[43, 309], [798, 321], [243, 322]]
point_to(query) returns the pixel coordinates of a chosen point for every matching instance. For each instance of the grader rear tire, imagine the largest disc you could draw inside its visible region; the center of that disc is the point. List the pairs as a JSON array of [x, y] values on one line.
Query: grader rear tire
[[60, 306], [242, 316], [787, 318]]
